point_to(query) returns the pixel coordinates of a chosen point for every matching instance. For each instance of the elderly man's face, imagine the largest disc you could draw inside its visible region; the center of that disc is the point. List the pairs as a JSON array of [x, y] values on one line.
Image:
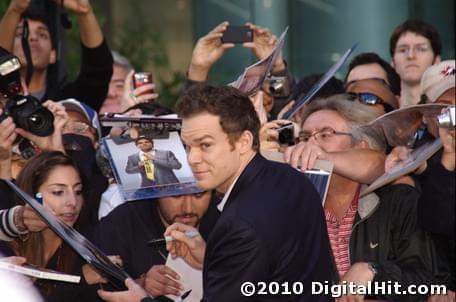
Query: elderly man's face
[[186, 209], [330, 122]]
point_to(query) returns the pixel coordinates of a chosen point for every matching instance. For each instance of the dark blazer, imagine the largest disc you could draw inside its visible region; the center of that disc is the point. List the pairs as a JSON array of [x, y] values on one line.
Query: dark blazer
[[164, 163], [271, 229]]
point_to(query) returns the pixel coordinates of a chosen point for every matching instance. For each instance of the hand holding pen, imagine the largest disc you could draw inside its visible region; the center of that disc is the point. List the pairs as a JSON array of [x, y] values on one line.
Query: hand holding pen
[[162, 241], [191, 249]]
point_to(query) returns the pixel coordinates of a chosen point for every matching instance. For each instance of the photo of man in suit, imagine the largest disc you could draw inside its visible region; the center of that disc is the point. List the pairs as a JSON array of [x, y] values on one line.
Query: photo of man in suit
[[155, 166]]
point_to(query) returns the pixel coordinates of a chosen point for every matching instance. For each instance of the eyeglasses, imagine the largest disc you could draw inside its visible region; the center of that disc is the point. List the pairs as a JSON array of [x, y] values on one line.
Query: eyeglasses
[[76, 127], [371, 99], [404, 50], [323, 135]]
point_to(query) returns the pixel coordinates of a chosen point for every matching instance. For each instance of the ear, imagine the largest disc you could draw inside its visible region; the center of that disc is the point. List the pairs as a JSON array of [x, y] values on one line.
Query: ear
[[392, 64], [53, 57], [245, 142], [437, 59]]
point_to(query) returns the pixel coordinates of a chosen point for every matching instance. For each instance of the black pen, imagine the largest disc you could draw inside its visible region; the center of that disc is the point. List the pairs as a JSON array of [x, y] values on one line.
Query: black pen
[[185, 295], [163, 241]]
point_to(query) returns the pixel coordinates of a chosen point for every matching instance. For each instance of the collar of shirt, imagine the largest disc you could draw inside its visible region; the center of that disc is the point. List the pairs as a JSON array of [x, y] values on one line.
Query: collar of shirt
[[141, 154], [221, 205]]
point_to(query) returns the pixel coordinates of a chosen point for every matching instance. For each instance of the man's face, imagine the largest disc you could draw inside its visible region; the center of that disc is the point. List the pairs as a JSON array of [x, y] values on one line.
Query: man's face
[[213, 160], [376, 87], [367, 71], [186, 209], [40, 45], [328, 119], [116, 90], [144, 145], [412, 56]]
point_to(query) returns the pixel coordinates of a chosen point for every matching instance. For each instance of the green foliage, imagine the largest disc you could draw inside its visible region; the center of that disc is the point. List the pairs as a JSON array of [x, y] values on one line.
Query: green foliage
[[146, 50]]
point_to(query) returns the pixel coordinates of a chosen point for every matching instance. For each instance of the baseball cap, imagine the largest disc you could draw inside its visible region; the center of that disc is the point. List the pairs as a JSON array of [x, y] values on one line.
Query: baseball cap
[[437, 79], [85, 110]]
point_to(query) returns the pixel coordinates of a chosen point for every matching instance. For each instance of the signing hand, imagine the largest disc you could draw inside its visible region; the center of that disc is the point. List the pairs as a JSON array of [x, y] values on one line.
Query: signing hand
[[192, 250]]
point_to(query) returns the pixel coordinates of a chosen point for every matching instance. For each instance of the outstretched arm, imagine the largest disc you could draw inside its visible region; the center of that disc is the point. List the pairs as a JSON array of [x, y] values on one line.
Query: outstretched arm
[[9, 22]]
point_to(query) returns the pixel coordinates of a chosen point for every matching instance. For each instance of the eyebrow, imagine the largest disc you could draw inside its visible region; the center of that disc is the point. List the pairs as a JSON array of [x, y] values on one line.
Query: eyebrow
[[421, 43], [203, 138], [64, 185]]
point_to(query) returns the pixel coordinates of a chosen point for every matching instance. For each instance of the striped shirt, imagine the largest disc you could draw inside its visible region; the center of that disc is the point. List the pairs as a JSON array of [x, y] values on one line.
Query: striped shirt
[[339, 235]]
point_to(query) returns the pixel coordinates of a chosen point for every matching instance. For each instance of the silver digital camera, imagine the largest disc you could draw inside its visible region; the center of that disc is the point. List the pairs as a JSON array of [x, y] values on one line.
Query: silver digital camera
[[447, 119]]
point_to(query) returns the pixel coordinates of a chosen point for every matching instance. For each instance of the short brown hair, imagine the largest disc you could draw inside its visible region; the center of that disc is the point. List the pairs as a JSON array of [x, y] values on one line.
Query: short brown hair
[[420, 28], [234, 108]]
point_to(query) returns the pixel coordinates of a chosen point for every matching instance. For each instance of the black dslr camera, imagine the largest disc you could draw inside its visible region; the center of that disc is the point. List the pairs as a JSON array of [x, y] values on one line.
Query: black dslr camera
[[26, 111]]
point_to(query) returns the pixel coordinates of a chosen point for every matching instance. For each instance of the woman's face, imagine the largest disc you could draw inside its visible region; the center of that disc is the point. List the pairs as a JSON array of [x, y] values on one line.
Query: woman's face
[[62, 192]]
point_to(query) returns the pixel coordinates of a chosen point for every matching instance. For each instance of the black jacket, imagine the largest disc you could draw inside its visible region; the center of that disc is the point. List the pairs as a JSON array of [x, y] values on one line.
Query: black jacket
[[92, 83], [386, 232], [272, 228]]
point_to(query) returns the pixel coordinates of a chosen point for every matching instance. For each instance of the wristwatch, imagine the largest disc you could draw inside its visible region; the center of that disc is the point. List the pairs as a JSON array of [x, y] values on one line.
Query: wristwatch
[[372, 267]]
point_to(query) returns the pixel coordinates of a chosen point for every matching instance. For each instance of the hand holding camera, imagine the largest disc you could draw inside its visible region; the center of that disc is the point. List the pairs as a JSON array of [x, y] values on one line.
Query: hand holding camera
[[138, 89], [54, 140], [7, 137], [26, 111], [263, 44], [207, 51]]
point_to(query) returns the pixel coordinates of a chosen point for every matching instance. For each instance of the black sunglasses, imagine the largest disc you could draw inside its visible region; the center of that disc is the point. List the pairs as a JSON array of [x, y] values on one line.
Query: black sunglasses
[[371, 99]]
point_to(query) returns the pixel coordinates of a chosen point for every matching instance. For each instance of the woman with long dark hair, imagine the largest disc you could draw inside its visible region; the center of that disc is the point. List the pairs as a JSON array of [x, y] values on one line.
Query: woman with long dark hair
[[57, 178]]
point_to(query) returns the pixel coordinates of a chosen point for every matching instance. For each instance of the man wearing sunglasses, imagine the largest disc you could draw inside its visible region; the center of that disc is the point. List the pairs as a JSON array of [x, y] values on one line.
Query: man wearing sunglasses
[[373, 82], [374, 93]]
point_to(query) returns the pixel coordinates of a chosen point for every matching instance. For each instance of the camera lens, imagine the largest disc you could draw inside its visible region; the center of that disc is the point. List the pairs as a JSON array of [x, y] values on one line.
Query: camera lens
[[41, 123]]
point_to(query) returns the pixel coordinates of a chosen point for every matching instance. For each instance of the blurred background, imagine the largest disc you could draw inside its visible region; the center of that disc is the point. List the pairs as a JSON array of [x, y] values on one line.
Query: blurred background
[[159, 35]]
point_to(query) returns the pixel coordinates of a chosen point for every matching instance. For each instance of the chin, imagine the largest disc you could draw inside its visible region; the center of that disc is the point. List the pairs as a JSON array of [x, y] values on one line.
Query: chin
[[204, 185]]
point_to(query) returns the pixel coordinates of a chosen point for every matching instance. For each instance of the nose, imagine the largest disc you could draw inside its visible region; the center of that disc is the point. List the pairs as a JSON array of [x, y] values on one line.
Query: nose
[[411, 53], [32, 36], [193, 156], [72, 199], [187, 205], [112, 91]]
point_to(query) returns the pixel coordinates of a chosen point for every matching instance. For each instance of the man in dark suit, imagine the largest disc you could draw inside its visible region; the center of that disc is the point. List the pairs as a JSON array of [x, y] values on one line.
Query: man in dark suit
[[156, 166], [271, 228], [272, 225]]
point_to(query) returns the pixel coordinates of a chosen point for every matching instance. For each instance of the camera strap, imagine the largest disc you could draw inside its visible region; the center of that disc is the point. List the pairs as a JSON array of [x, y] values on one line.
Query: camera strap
[[26, 49]]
